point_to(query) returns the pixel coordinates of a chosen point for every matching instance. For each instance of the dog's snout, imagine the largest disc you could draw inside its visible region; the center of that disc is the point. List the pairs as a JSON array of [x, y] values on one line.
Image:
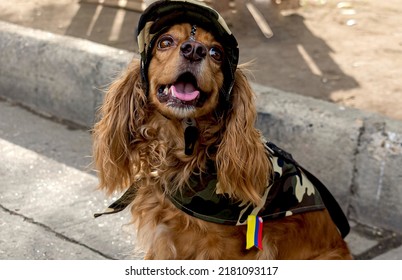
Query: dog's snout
[[193, 51]]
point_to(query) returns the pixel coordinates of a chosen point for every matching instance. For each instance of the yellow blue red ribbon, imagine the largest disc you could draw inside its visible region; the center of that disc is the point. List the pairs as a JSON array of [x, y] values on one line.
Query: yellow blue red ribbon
[[254, 232]]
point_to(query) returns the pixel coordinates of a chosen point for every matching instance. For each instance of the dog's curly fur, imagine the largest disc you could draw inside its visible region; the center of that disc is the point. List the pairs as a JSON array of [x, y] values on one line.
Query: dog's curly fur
[[139, 139]]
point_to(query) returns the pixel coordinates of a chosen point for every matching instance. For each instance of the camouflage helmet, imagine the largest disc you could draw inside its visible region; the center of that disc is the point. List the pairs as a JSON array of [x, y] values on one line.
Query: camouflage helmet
[[161, 15]]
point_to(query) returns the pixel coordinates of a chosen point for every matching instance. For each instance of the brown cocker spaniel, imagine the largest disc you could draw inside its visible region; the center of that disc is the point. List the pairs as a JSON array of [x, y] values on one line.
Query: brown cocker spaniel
[[176, 134]]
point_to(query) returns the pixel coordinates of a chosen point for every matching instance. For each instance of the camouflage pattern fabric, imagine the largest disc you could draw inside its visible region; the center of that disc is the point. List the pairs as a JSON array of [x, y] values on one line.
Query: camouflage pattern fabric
[[290, 192], [293, 190]]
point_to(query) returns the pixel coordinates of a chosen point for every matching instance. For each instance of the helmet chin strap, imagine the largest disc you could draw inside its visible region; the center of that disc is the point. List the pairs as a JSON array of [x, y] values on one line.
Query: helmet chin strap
[[190, 135], [191, 132], [189, 124]]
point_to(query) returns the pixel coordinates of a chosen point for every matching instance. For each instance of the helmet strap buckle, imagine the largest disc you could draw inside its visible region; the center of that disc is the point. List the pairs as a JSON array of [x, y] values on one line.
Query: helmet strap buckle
[[192, 33]]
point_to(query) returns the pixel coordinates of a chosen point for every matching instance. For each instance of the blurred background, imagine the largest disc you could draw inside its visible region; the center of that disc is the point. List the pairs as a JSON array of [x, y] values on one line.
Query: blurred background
[[347, 52]]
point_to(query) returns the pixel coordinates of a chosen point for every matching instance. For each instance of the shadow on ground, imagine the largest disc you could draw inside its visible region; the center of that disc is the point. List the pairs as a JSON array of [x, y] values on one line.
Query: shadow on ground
[[294, 59]]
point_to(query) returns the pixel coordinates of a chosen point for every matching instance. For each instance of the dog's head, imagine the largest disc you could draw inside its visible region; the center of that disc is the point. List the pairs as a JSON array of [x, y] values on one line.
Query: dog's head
[[189, 58], [188, 69]]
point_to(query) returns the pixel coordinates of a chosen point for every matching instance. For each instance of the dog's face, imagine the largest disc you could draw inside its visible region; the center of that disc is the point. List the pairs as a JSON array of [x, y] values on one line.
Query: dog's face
[[185, 74]]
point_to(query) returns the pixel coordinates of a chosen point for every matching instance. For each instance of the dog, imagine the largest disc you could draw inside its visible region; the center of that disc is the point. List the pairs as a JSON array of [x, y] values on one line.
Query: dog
[[176, 134]]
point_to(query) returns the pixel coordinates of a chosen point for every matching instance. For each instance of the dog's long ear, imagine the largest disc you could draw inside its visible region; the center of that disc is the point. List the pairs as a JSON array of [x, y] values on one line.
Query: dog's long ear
[[242, 163], [122, 113]]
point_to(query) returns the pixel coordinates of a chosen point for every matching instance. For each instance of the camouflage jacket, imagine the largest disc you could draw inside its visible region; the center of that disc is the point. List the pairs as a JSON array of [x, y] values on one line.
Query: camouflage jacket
[[292, 190]]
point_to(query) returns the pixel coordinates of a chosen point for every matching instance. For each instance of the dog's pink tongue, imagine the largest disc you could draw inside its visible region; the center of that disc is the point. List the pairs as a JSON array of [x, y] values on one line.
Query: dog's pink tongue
[[185, 91]]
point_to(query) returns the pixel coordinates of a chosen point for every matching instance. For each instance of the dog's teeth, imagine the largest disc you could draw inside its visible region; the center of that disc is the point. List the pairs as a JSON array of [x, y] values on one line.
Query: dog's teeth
[[164, 90]]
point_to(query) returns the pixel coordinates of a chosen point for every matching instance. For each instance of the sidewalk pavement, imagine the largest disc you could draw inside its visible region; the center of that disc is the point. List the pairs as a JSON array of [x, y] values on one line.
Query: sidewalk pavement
[[48, 197]]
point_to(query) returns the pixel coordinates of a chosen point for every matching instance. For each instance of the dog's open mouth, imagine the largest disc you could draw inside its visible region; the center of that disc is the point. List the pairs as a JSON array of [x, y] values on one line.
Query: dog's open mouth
[[183, 93]]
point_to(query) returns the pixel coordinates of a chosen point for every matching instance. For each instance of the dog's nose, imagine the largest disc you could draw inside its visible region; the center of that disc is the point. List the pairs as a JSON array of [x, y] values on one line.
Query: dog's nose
[[193, 51]]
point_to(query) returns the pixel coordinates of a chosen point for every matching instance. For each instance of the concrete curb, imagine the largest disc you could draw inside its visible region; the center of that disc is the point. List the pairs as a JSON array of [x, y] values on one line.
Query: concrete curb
[[356, 154], [56, 75]]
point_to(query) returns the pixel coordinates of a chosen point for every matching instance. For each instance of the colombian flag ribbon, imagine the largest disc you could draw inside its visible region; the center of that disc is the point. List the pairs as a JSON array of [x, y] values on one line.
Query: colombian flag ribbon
[[254, 232]]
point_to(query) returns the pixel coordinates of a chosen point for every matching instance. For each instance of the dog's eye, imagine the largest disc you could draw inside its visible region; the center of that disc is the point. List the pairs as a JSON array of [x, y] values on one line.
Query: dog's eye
[[216, 53], [165, 42]]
